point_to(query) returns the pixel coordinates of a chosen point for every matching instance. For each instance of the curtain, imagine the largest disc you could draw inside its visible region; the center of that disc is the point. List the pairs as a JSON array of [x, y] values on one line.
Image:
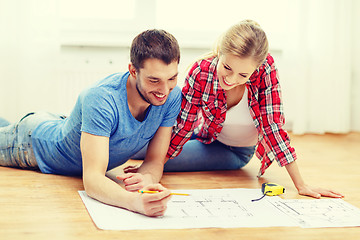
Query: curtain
[[317, 62]]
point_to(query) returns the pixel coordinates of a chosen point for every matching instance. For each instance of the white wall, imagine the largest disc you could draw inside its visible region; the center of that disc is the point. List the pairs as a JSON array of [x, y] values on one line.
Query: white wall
[[49, 53], [29, 53]]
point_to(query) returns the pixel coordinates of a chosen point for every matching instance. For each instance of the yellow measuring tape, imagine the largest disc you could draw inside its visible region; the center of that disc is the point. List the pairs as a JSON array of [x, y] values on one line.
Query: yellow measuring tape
[[270, 189]]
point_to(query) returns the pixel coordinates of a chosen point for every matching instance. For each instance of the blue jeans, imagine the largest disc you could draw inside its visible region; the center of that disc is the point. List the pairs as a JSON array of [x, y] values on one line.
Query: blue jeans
[[4, 122], [197, 156], [15, 141]]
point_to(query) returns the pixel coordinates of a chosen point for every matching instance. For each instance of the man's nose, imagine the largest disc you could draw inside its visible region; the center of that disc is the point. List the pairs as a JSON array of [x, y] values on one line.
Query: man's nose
[[164, 88]]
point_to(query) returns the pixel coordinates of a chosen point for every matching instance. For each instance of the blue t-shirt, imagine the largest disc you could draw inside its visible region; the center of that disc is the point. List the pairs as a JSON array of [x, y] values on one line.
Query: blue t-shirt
[[100, 110]]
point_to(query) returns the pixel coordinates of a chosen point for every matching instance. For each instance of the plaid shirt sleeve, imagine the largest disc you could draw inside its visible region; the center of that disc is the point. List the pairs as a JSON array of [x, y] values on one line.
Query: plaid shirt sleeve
[[275, 142], [189, 112]]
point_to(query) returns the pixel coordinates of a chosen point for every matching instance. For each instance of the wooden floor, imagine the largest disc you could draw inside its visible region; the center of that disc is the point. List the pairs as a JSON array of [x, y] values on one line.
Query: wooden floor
[[40, 206]]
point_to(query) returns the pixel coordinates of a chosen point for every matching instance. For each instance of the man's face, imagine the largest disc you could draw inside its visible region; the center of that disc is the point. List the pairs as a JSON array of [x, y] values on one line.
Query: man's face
[[155, 80]]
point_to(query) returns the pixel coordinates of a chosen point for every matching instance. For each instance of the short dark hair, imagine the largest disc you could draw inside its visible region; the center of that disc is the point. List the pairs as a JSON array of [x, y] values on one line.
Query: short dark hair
[[154, 43]]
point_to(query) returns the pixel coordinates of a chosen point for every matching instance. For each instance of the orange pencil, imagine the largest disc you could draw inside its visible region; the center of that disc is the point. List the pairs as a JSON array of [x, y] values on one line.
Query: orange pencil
[[180, 194]]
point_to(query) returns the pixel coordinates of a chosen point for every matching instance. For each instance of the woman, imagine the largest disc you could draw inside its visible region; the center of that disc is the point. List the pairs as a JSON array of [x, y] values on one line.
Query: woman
[[231, 107]]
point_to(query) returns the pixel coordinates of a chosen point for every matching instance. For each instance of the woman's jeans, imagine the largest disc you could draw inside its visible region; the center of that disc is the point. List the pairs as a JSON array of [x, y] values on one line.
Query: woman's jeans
[[15, 140], [197, 156]]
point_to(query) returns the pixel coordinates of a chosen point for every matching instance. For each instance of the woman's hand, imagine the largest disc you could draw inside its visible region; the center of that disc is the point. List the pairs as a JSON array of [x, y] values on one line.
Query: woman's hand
[[135, 181], [152, 204], [317, 192], [306, 190]]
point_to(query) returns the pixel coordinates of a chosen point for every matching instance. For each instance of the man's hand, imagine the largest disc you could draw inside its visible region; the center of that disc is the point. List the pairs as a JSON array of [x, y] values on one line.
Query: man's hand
[[135, 181], [152, 204], [131, 169]]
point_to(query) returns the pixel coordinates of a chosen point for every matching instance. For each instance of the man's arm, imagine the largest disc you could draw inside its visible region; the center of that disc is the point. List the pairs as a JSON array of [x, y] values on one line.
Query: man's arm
[[152, 168], [95, 157], [156, 153]]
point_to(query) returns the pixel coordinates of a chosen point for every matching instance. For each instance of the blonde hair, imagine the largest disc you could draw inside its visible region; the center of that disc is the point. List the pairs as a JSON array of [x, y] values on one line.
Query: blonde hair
[[245, 39]]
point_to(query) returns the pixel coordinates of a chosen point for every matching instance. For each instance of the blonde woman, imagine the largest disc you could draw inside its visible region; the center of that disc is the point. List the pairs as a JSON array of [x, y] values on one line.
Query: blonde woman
[[232, 108]]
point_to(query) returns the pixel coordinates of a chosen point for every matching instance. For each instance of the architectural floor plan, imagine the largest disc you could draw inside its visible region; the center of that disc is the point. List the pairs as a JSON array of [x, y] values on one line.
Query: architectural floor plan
[[228, 208]]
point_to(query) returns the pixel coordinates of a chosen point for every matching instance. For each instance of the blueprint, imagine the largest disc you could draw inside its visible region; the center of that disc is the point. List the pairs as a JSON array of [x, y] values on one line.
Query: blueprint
[[227, 208], [314, 213]]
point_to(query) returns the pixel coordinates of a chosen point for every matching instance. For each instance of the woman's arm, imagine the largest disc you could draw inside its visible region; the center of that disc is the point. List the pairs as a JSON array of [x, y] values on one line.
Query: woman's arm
[[304, 189], [271, 118], [278, 140]]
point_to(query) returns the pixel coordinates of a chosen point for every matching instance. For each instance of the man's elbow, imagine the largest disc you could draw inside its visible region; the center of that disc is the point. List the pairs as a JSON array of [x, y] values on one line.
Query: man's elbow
[[90, 185]]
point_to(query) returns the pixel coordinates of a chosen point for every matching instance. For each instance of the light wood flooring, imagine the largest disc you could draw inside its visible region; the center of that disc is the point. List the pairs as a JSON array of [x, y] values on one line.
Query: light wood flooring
[[40, 206]]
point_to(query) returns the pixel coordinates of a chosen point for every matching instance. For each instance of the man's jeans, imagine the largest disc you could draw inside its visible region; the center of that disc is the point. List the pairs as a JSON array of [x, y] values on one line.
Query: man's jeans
[[15, 141]]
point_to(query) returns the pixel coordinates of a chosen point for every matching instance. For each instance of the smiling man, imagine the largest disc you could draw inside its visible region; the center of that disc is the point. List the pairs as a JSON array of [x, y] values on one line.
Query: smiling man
[[111, 121]]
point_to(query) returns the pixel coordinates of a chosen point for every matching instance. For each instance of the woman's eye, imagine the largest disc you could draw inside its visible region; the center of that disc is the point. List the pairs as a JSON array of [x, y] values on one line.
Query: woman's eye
[[226, 67]]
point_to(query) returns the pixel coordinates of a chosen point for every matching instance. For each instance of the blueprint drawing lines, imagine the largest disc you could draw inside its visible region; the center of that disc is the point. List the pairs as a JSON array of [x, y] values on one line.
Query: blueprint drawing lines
[[320, 212]]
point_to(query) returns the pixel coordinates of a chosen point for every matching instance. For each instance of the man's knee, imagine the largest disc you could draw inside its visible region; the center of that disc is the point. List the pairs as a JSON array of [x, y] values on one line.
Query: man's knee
[[4, 122]]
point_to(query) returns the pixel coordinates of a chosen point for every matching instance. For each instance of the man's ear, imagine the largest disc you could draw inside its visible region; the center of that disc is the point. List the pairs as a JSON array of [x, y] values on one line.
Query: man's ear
[[132, 70]]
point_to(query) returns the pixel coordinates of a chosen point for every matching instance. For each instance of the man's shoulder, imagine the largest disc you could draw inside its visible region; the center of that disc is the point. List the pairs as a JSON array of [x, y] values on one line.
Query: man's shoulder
[[107, 86], [176, 91], [174, 98], [113, 81], [175, 94]]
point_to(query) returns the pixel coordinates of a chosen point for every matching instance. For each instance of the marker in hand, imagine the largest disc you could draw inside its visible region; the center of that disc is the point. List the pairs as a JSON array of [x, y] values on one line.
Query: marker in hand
[[180, 194]]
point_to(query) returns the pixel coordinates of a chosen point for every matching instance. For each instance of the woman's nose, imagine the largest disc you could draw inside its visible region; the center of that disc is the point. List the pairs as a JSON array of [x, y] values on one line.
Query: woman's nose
[[231, 78]]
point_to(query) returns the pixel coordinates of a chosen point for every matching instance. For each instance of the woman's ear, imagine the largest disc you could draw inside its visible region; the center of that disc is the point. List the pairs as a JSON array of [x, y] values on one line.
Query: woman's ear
[[132, 70]]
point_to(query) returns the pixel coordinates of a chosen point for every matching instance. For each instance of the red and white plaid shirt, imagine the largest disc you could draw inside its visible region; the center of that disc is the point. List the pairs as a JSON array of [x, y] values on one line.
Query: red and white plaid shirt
[[203, 110]]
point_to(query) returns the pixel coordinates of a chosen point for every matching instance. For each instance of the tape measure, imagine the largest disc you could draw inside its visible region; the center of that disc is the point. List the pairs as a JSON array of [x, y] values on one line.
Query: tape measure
[[270, 189]]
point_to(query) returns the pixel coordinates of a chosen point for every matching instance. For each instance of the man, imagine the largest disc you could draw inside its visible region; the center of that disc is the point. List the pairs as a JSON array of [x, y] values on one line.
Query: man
[[110, 122]]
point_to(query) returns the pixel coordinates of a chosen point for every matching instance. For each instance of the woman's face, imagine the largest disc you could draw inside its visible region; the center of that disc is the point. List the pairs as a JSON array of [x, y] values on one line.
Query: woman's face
[[233, 71]]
